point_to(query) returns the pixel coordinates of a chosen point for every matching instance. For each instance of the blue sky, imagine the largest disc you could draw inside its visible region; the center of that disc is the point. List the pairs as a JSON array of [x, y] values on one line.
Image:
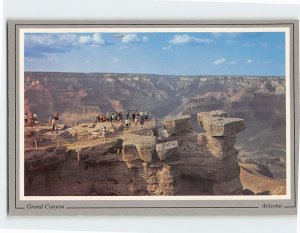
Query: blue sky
[[245, 53]]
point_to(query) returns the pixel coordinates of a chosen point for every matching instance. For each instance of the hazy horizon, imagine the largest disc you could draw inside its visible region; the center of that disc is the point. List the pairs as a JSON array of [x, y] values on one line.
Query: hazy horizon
[[157, 74]]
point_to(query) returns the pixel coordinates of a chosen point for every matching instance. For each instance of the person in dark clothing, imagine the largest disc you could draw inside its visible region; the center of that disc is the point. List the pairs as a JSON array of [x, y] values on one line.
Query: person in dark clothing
[[56, 116], [142, 121]]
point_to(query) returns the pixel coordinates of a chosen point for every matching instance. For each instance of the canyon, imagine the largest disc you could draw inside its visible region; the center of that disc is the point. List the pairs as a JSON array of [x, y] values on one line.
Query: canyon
[[207, 135]]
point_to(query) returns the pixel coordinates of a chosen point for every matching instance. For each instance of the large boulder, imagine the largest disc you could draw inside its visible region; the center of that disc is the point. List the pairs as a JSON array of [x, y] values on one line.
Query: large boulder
[[178, 124], [145, 146], [218, 126], [146, 152], [167, 151]]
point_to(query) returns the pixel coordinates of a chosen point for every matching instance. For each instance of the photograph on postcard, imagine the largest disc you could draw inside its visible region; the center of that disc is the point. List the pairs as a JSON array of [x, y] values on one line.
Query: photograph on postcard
[[129, 113]]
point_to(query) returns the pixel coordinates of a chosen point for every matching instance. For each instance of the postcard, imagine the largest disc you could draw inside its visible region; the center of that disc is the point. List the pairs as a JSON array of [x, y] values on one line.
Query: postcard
[[152, 118]]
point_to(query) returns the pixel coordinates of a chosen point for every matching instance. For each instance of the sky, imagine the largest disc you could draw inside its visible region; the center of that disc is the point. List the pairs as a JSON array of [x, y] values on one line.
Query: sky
[[168, 53]]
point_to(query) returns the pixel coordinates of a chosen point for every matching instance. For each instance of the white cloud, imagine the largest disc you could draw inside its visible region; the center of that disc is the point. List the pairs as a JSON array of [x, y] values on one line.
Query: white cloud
[[65, 41], [249, 61], [68, 37], [185, 38], [116, 60], [48, 39], [96, 38], [132, 37], [168, 47], [84, 39], [223, 61], [231, 62], [220, 61]]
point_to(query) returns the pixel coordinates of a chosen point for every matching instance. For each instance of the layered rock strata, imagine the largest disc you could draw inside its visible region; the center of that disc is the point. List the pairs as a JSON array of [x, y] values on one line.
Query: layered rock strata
[[219, 139], [138, 162]]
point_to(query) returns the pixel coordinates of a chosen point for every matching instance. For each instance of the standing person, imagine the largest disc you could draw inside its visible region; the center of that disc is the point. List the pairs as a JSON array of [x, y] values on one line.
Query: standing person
[[127, 123], [35, 119], [127, 115], [25, 118], [136, 120], [103, 132], [142, 121], [146, 115], [55, 121], [133, 116], [56, 117], [54, 125], [32, 120]]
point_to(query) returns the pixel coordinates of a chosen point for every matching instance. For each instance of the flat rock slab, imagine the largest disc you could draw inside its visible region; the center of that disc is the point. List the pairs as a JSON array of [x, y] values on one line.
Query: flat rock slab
[[218, 113], [178, 124], [167, 151], [220, 126]]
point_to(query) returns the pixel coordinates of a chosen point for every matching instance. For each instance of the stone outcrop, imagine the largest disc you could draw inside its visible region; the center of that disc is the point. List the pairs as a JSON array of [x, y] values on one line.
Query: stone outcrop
[[217, 124], [178, 124], [145, 146], [219, 139], [167, 151], [139, 162]]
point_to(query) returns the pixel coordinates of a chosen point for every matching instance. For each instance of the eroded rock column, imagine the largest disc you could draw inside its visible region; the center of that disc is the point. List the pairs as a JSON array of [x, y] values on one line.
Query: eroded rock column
[[219, 139]]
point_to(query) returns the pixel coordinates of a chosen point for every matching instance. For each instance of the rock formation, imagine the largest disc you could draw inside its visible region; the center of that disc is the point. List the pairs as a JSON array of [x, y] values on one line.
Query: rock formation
[[178, 125], [167, 151], [219, 139], [136, 162]]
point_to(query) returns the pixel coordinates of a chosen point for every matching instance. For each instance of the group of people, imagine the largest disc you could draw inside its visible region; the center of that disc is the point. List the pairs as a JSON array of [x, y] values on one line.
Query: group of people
[[102, 117], [33, 119], [130, 116]]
